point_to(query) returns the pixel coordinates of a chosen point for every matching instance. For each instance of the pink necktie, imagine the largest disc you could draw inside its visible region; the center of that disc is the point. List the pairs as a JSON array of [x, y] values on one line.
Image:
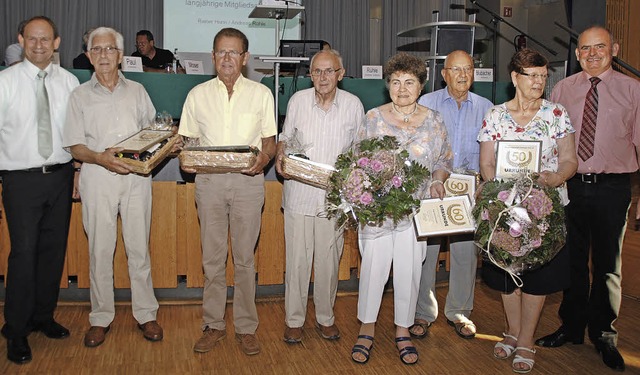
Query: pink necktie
[[589, 118]]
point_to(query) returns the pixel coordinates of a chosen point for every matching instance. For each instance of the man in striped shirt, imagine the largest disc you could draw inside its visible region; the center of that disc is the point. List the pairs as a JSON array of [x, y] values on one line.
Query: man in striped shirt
[[325, 119]]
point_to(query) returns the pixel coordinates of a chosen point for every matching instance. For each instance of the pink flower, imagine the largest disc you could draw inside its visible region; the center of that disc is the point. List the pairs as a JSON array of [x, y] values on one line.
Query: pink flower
[[503, 195], [377, 165], [515, 229], [366, 198], [536, 243], [363, 162], [396, 181], [538, 204], [485, 214]]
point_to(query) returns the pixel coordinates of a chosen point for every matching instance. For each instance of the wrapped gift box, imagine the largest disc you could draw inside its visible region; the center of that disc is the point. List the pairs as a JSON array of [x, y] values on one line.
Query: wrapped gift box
[[231, 159], [307, 171], [144, 150]]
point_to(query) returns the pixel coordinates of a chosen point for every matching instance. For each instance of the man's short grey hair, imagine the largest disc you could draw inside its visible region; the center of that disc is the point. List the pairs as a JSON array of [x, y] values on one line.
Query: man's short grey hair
[[106, 31], [333, 52]]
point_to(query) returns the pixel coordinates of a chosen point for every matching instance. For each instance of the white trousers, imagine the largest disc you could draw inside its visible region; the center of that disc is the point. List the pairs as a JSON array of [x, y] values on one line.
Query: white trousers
[[104, 196], [311, 241], [400, 249], [463, 258]]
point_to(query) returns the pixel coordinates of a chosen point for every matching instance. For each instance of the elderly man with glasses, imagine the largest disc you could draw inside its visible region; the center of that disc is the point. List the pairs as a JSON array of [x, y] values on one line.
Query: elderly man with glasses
[[326, 118], [463, 112], [226, 111], [102, 112]]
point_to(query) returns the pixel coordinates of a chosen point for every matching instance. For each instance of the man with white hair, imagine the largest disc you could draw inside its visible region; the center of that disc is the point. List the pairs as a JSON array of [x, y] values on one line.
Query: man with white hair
[[102, 112]]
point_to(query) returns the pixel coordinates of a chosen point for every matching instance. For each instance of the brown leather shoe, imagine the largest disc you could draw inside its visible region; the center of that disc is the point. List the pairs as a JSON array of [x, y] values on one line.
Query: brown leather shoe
[[249, 343], [329, 333], [95, 336], [151, 331], [293, 335], [208, 340]]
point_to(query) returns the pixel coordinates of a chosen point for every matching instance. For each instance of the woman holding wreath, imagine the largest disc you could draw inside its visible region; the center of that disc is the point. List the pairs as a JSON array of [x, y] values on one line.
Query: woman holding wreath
[[528, 117], [422, 133]]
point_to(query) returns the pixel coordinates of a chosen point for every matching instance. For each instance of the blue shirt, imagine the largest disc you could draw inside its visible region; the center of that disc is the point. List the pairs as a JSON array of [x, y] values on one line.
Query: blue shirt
[[463, 125]]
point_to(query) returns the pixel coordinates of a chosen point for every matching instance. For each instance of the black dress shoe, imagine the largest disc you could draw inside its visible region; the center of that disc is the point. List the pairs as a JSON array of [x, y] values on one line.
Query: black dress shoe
[[610, 355], [557, 339], [52, 330], [18, 350]]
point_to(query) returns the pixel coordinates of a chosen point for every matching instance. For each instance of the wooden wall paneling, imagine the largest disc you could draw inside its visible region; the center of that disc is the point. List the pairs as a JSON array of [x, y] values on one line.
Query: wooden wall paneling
[[195, 277], [120, 268], [633, 33], [270, 253], [181, 229], [348, 260], [78, 248], [162, 241], [351, 252]]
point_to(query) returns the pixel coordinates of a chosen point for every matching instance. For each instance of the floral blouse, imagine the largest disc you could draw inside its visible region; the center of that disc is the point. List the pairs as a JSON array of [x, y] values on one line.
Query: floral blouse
[[549, 124]]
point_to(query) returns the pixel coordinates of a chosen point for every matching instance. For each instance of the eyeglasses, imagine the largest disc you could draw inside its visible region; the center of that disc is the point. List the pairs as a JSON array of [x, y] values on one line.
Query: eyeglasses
[[460, 69], [329, 72], [534, 76], [109, 50], [232, 53]]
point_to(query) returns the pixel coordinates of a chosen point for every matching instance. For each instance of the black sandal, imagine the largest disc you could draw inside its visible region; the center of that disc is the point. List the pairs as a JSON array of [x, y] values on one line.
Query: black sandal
[[423, 326], [406, 350], [459, 326], [365, 351]]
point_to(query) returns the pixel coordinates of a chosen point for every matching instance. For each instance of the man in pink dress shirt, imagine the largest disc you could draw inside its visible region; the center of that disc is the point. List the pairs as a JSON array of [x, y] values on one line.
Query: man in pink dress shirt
[[599, 194]]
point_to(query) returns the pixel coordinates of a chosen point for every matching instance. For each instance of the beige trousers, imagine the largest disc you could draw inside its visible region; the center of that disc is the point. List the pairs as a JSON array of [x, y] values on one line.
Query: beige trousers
[[229, 203], [311, 240], [104, 196]]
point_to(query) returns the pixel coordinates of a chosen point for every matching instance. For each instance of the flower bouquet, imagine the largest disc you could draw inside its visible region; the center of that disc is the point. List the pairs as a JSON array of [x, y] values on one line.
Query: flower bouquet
[[374, 181], [520, 224]]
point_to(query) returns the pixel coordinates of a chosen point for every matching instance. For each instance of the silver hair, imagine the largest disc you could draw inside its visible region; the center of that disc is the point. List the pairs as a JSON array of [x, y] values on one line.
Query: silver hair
[[333, 52], [106, 31]]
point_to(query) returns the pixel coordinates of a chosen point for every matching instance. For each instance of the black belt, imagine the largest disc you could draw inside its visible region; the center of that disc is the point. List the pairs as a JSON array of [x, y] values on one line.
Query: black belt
[[594, 178], [44, 169]]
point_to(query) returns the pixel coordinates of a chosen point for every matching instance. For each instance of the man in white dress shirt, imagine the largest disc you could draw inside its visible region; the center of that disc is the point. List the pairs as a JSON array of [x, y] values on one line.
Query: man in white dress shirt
[[325, 118], [37, 184]]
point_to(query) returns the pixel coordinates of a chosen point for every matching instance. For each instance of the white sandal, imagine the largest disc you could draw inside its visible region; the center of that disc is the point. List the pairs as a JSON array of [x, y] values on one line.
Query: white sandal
[[520, 359], [508, 349]]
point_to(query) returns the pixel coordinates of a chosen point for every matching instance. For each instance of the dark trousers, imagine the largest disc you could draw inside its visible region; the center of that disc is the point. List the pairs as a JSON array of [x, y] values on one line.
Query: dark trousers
[[38, 209], [596, 223]]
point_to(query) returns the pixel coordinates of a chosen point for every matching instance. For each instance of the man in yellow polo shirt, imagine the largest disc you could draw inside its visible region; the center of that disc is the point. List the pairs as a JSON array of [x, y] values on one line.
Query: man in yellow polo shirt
[[230, 110]]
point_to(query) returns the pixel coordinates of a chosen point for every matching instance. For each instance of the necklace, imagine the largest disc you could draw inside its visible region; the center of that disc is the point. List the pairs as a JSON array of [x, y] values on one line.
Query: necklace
[[405, 115]]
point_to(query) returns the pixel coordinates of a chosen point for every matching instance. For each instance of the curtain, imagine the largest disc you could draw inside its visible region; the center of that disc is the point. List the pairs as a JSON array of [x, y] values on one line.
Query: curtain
[[345, 25]]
